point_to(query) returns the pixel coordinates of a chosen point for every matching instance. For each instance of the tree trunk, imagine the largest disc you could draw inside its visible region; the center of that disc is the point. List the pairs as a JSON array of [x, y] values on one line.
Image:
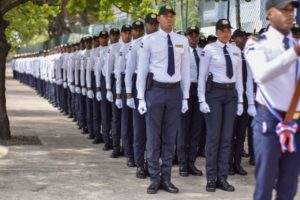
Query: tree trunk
[[238, 13], [182, 14], [4, 49]]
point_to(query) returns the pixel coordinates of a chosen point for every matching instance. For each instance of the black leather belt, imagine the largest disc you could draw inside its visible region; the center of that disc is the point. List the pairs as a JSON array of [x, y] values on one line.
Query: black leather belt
[[194, 85], [223, 85], [165, 85]]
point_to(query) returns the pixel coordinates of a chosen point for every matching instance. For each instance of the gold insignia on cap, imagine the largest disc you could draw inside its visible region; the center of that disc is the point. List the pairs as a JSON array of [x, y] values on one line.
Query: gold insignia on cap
[[127, 26], [225, 22], [153, 16], [168, 7], [243, 30], [193, 27], [115, 29], [138, 23], [103, 32], [297, 26]]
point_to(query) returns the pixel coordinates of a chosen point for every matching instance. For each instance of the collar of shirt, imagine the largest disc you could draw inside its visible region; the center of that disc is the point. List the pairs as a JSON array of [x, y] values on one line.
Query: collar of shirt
[[275, 34], [221, 44], [165, 34]]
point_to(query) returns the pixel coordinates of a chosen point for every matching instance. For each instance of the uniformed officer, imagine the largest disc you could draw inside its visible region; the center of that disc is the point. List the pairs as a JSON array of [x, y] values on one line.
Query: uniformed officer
[[91, 87], [273, 59], [110, 63], [126, 113], [241, 124], [139, 124], [101, 88], [220, 92], [164, 59], [192, 122]]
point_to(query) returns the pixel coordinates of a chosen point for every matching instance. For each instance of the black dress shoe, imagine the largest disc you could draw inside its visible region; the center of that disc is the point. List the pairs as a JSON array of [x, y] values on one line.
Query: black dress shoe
[[153, 187], [115, 153], [224, 185], [91, 136], [169, 187], [130, 163], [240, 170], [97, 140], [251, 161], [107, 147], [141, 173], [192, 169], [84, 130], [183, 171], [211, 186], [245, 154], [231, 170]]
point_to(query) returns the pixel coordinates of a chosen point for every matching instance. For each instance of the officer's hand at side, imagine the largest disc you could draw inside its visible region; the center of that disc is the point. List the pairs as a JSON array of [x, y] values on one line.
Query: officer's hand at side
[[90, 94], [184, 106], [99, 96], [251, 110], [77, 89], [297, 49], [240, 109], [142, 107], [130, 103], [119, 103], [109, 96], [72, 88], [65, 85], [204, 107]]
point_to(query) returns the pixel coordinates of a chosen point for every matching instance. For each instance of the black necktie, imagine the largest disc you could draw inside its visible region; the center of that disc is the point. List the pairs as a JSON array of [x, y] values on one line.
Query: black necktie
[[197, 59], [286, 43], [171, 65], [229, 69], [244, 68]]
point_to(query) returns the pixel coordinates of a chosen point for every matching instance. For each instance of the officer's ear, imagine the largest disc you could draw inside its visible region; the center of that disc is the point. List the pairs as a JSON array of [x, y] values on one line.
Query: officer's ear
[[270, 13], [158, 18]]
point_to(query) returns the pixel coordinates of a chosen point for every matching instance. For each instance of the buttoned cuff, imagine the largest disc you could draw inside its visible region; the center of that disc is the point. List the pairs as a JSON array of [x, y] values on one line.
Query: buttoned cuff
[[240, 99], [141, 95], [201, 98], [128, 90], [186, 94]]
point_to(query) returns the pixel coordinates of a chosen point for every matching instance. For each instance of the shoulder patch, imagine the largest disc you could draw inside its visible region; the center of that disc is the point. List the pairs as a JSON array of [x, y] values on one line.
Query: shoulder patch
[[258, 37]]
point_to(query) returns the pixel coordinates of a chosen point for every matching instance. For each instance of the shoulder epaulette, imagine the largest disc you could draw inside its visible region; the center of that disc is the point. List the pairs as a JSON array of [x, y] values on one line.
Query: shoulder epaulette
[[258, 37]]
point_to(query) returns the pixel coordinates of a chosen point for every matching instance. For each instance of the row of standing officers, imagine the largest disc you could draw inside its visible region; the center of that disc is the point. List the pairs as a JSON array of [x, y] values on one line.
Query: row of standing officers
[[152, 93]]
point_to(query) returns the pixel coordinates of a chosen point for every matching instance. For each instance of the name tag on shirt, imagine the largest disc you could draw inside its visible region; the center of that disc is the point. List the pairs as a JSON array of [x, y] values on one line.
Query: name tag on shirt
[[236, 54], [178, 45]]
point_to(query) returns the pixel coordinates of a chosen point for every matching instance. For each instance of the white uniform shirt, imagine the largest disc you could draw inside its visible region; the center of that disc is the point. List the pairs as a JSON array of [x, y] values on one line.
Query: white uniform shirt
[[194, 70], [213, 60], [274, 68], [100, 65], [132, 62], [121, 65], [153, 57], [111, 62]]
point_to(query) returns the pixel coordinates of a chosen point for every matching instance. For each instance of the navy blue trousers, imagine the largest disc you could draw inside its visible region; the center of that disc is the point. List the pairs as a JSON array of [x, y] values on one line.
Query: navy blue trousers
[[162, 119], [106, 114], [219, 124], [192, 123]]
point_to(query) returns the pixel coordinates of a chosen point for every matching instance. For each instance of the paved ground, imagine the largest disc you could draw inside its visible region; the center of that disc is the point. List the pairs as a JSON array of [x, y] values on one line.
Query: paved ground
[[68, 167]]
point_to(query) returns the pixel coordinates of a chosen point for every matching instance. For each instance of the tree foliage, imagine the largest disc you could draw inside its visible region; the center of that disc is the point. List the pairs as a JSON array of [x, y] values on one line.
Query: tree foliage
[[27, 21]]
